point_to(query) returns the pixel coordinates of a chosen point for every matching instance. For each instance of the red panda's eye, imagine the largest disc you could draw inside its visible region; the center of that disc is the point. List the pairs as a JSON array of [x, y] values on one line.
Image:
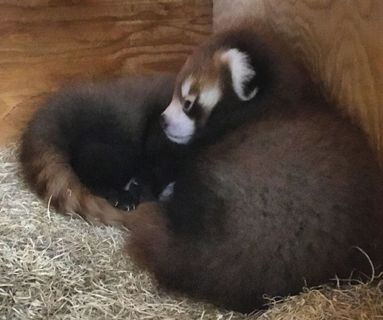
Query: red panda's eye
[[187, 106]]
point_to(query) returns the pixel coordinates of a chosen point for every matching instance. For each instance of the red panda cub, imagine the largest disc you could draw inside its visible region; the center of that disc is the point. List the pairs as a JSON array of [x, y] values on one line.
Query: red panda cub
[[87, 141], [282, 192]]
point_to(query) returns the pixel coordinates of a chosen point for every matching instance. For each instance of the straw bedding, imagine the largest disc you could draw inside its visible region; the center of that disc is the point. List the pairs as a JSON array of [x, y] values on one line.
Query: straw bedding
[[53, 267]]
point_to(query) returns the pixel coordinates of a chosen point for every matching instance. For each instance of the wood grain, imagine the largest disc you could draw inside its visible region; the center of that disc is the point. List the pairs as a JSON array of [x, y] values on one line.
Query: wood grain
[[340, 41], [46, 43]]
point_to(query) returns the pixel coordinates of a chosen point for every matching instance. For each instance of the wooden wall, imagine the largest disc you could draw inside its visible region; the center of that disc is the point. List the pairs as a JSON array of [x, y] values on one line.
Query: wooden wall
[[341, 41], [45, 43]]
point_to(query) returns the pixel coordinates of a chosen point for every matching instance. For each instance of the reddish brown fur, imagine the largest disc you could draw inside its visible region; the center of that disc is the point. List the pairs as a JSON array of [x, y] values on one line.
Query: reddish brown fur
[[150, 237], [216, 262], [283, 197], [286, 197], [47, 171], [118, 111]]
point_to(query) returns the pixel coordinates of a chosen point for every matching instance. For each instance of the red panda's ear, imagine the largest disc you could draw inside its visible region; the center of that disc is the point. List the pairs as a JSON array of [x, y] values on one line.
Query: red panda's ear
[[241, 72]]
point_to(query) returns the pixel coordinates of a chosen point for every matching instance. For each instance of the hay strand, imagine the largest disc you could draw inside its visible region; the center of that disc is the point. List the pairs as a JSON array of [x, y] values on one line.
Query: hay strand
[[55, 267]]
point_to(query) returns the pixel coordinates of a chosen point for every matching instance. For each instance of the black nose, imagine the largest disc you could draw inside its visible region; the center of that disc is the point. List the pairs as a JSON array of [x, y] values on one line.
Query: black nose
[[163, 122]]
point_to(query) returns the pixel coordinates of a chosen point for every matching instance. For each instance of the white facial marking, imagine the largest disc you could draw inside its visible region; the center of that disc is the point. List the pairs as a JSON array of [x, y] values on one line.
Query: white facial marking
[[210, 96], [180, 128], [186, 85], [241, 72]]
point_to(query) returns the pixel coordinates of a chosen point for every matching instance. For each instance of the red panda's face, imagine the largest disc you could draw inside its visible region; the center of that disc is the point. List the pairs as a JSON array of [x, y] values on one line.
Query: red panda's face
[[201, 86]]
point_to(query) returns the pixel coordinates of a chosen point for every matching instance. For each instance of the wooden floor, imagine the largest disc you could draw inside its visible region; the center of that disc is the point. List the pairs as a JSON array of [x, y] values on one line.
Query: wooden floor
[[46, 43]]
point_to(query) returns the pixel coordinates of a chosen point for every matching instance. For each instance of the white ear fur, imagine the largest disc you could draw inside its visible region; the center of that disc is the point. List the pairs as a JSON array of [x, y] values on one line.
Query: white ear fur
[[241, 72]]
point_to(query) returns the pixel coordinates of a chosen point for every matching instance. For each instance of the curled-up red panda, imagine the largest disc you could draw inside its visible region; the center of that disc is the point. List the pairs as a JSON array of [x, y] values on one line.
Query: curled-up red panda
[[282, 192], [88, 141]]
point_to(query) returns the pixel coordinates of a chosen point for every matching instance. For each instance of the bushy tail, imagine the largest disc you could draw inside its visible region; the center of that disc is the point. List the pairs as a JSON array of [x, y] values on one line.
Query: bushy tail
[[49, 173]]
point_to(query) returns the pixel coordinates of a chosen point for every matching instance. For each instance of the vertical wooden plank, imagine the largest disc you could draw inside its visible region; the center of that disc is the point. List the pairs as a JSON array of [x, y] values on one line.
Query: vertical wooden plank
[[340, 41]]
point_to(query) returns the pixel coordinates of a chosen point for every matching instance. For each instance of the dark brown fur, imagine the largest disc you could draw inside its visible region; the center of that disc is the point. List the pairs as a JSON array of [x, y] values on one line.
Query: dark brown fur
[[117, 117], [278, 203]]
